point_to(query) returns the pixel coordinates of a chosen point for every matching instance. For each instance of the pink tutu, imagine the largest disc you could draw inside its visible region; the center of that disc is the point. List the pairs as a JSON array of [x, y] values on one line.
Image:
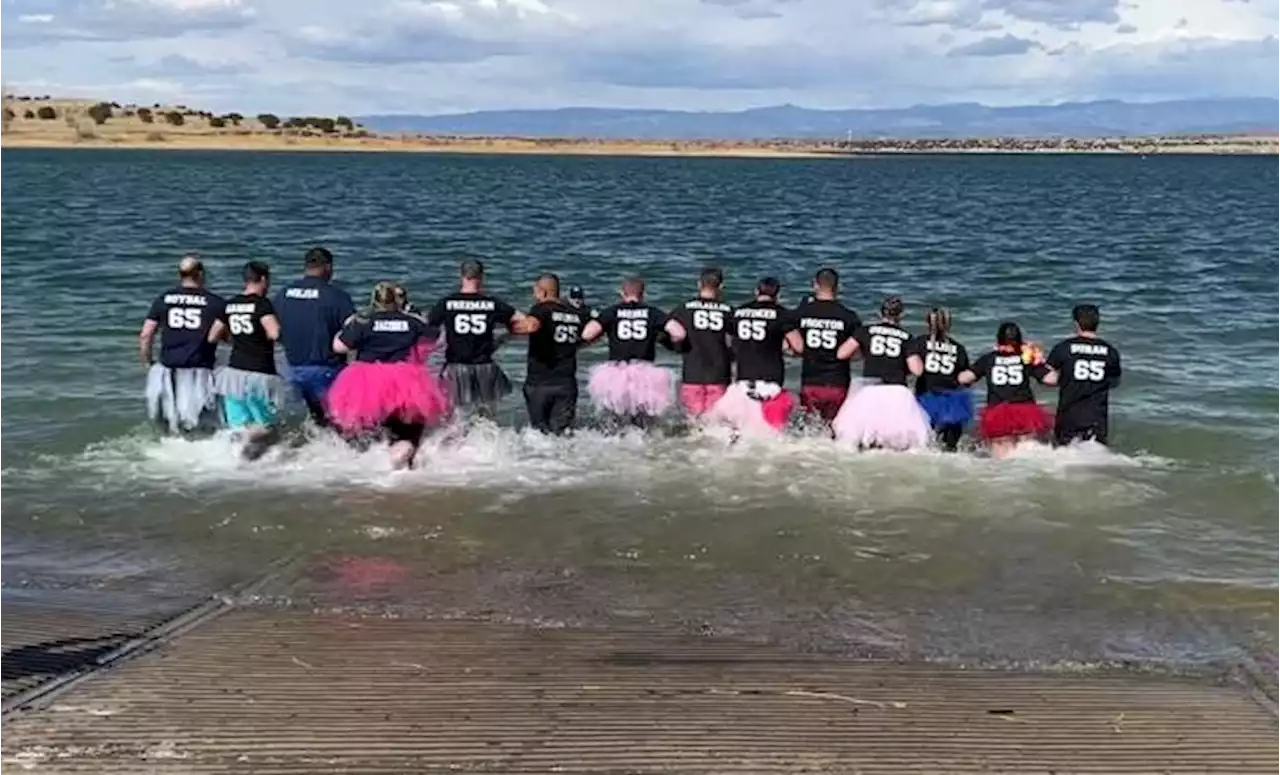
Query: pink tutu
[[749, 412], [367, 394], [886, 416], [630, 387]]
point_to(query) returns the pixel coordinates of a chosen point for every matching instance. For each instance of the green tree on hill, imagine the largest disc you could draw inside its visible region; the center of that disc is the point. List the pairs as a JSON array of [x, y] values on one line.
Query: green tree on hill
[[234, 118], [145, 115], [345, 123], [323, 123], [100, 113], [28, 113], [216, 122], [46, 113], [269, 120], [175, 118]]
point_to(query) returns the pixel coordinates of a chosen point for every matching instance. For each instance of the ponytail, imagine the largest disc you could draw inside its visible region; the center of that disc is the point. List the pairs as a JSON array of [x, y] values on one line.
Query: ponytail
[[384, 298], [892, 308], [938, 322]]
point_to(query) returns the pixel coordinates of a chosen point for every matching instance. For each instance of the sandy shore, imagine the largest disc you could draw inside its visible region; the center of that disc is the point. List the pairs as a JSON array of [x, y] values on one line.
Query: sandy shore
[[70, 124]]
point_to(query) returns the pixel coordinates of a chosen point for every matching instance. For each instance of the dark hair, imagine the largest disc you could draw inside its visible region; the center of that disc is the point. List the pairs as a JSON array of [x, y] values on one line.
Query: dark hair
[[827, 279], [1009, 335], [633, 285], [190, 267], [471, 269], [892, 308], [711, 277], [1086, 316], [550, 278], [768, 286], [575, 292], [256, 271], [938, 322], [317, 257]]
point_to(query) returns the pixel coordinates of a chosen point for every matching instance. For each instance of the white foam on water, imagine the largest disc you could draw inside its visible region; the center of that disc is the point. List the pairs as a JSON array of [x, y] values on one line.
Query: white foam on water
[[645, 468]]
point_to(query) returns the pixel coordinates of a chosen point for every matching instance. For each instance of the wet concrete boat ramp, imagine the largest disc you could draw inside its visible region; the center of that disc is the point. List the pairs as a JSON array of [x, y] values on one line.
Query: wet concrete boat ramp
[[225, 685]]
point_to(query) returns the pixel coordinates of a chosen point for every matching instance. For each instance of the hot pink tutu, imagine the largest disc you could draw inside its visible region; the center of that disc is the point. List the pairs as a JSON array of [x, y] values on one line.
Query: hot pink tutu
[[746, 409], [630, 387], [885, 416], [367, 394]]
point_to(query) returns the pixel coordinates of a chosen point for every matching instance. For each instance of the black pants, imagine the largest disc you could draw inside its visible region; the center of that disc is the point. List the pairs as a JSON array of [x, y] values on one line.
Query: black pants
[[949, 436], [552, 408], [1066, 434]]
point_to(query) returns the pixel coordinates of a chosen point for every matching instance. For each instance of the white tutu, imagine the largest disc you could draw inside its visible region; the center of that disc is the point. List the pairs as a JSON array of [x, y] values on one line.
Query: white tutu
[[238, 383], [179, 397], [885, 416], [753, 408], [630, 388]]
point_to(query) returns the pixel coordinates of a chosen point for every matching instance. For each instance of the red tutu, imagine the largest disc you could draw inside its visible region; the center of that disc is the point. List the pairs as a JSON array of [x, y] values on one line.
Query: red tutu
[[365, 395], [1025, 418]]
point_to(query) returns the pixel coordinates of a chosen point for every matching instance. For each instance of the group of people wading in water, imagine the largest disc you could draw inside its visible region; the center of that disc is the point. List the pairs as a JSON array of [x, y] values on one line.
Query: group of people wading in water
[[365, 372]]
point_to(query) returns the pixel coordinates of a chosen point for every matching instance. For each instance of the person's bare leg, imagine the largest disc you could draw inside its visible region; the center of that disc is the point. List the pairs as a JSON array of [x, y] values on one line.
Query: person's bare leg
[[1002, 448], [402, 454]]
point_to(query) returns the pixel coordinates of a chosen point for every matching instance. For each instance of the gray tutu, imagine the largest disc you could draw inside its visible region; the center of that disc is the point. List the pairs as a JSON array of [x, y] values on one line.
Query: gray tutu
[[238, 383], [472, 384], [179, 397]]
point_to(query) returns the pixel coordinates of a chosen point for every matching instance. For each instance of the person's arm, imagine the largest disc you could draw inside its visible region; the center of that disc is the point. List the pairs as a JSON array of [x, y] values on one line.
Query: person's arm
[[848, 349], [217, 331], [915, 365], [676, 330], [145, 338], [795, 341], [967, 377], [348, 339], [975, 372], [271, 327], [522, 324], [592, 331], [346, 308]]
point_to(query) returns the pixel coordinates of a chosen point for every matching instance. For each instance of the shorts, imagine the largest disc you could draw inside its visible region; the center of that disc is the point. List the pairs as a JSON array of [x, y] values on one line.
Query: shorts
[[698, 399], [241, 411], [475, 384], [823, 400], [552, 408]]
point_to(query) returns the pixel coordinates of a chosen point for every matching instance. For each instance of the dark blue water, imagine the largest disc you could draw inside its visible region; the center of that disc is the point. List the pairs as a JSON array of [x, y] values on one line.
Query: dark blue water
[[1164, 549]]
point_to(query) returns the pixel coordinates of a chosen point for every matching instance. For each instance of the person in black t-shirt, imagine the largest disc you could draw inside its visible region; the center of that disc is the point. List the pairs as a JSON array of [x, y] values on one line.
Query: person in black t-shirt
[[629, 388], [757, 403], [824, 335], [469, 318], [551, 381], [1011, 413], [1085, 368], [699, 328], [180, 384], [387, 386], [936, 360], [250, 388], [884, 414]]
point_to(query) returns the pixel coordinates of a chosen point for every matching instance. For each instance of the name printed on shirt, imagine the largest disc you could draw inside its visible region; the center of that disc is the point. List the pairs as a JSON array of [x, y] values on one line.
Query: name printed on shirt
[[565, 317], [760, 313], [241, 309], [634, 314], [1078, 348], [469, 305], [302, 293], [398, 326], [185, 299]]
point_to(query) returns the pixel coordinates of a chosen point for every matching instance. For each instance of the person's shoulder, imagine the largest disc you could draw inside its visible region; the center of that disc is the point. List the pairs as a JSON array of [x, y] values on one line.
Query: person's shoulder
[[211, 296]]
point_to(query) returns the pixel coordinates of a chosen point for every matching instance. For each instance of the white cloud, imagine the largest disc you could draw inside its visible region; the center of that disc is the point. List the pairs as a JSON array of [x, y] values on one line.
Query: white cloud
[[296, 56]]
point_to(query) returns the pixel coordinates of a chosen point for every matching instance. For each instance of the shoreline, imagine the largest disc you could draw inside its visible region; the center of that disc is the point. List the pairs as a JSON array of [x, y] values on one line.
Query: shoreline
[[1219, 146]]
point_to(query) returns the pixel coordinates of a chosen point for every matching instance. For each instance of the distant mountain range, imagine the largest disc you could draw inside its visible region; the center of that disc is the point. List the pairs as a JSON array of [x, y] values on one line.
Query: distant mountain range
[[1075, 119]]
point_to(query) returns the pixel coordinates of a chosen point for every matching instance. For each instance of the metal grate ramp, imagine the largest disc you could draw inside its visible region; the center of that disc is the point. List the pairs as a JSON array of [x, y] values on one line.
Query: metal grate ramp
[[284, 692]]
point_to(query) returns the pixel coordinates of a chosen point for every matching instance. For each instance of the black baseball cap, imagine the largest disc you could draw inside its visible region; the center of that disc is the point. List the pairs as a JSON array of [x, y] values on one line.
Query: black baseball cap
[[575, 292], [768, 286]]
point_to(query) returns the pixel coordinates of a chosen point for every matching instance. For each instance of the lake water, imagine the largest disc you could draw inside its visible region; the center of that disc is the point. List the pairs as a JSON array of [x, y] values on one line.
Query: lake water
[[1162, 551]]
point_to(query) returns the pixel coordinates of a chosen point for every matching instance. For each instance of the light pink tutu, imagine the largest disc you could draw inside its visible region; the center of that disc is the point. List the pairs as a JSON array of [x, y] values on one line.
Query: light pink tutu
[[367, 394], [630, 387], [885, 416], [751, 413]]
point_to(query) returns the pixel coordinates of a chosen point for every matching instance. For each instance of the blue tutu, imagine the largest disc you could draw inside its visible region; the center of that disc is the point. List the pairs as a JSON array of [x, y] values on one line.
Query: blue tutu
[[947, 407]]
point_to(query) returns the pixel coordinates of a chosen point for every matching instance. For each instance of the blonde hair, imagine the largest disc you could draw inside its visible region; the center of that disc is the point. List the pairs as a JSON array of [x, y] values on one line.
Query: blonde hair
[[384, 298], [938, 321]]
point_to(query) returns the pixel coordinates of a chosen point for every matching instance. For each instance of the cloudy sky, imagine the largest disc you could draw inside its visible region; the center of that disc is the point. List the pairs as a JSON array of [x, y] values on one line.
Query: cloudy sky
[[436, 56]]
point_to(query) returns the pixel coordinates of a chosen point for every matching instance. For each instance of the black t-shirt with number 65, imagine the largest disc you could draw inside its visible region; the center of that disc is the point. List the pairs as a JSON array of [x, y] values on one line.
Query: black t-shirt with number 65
[[943, 361], [706, 353], [184, 317], [758, 331], [633, 328], [469, 320], [825, 324], [883, 346], [251, 348], [1008, 377], [553, 348]]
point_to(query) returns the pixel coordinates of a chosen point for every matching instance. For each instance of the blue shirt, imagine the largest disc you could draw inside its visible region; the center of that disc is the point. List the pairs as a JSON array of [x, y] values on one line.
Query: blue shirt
[[311, 311], [384, 337], [184, 316]]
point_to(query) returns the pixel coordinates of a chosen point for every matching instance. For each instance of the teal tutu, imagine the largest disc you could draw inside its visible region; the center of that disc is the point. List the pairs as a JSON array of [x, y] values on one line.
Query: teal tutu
[[947, 407]]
